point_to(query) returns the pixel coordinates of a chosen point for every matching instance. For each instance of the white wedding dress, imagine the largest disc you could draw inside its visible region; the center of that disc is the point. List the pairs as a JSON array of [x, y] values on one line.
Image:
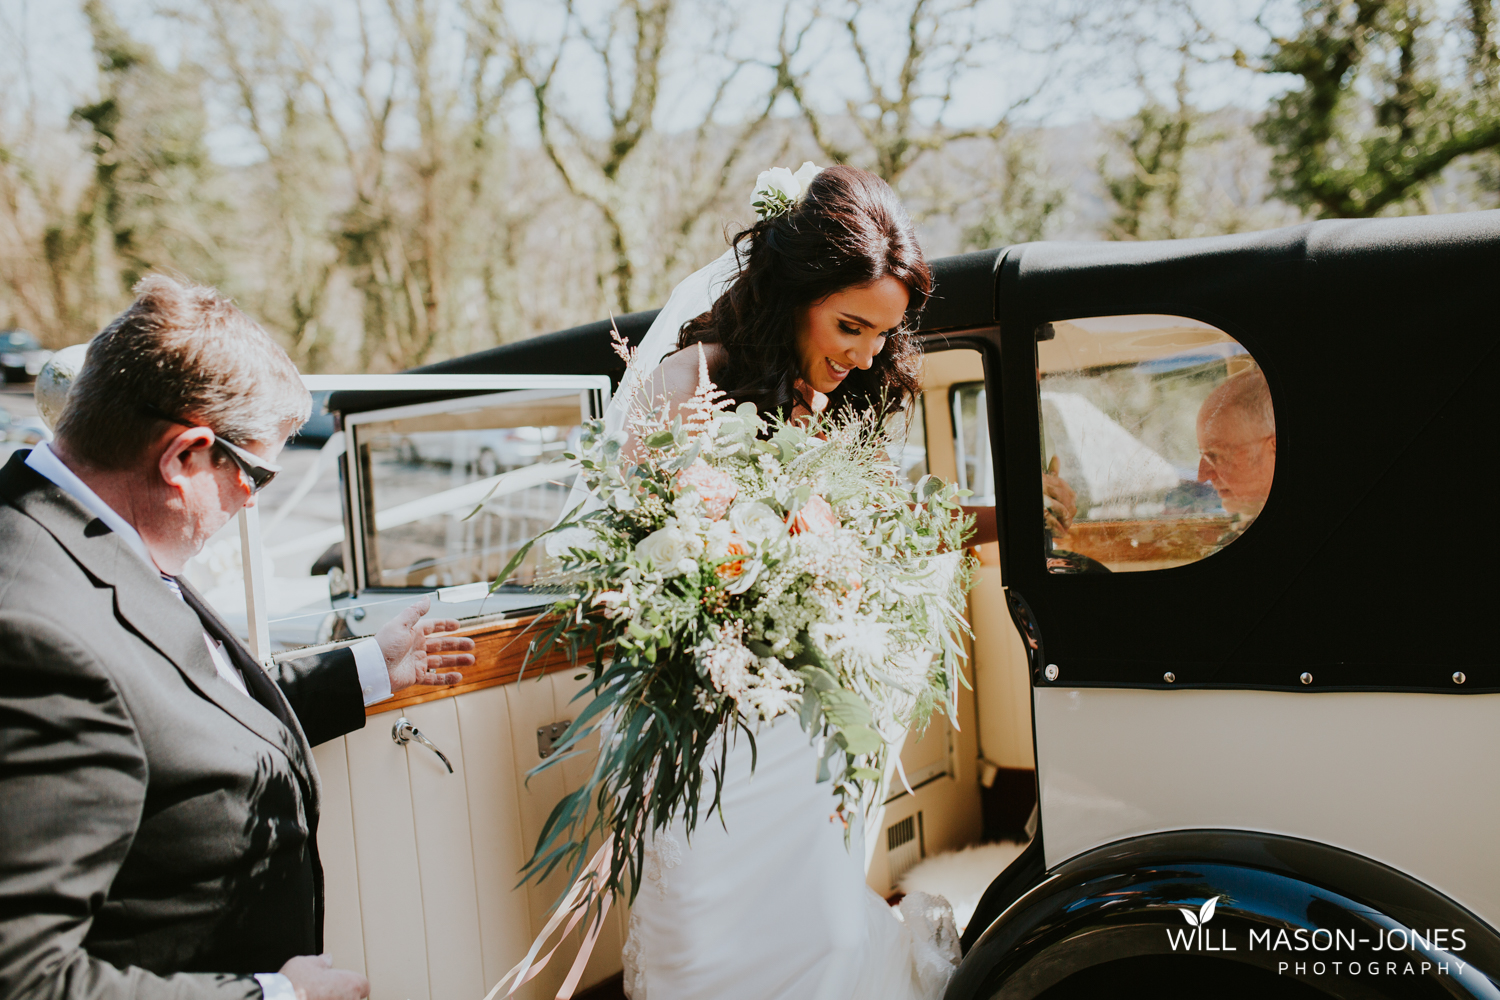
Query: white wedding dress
[[770, 904]]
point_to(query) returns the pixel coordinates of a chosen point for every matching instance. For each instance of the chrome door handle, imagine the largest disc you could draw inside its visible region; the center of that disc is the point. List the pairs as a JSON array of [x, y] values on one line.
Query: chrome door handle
[[403, 732]]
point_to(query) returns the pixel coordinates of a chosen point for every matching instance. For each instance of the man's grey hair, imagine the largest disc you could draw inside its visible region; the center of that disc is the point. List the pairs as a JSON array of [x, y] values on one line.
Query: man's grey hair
[[1247, 393], [185, 351]]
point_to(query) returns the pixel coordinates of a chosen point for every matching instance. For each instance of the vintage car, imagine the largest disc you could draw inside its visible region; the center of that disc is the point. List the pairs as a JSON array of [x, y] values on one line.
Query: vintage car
[[1253, 747]]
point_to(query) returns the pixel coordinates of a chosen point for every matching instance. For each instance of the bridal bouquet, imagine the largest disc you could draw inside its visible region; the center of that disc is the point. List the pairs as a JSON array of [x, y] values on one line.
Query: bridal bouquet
[[733, 569]]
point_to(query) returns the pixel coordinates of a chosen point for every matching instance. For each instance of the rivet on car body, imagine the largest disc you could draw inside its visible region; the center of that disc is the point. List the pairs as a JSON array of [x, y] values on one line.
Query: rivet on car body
[[1458, 677], [1306, 677], [1169, 677], [1051, 672]]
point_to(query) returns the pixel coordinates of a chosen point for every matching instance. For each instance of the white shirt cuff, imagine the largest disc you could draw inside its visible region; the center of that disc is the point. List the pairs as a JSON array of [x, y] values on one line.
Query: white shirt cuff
[[275, 986], [374, 676]]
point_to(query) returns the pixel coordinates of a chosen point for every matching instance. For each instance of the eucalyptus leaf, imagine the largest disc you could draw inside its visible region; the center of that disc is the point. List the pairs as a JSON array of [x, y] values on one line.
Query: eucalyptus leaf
[[515, 561], [810, 712], [845, 708], [818, 679], [859, 739]]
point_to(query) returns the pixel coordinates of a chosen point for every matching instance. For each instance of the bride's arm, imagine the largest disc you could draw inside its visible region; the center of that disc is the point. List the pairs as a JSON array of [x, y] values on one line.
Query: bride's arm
[[986, 526], [1060, 509]]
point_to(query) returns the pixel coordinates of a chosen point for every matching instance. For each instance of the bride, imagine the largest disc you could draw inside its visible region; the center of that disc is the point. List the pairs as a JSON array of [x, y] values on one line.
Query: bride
[[810, 309]]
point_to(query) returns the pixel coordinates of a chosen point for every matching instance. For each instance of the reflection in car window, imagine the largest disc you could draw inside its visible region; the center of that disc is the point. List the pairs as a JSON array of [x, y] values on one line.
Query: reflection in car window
[[1161, 429], [424, 469], [971, 443], [910, 428]]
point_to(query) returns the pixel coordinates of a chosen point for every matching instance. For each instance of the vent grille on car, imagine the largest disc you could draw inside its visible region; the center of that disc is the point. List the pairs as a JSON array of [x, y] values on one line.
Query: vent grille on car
[[904, 848]]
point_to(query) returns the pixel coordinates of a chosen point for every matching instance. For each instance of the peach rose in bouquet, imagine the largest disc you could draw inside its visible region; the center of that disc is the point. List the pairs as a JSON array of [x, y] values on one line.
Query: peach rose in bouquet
[[716, 489], [815, 517]]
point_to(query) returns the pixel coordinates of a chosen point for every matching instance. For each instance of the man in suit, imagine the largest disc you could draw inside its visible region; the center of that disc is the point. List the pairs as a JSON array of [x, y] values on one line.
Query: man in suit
[[158, 799]]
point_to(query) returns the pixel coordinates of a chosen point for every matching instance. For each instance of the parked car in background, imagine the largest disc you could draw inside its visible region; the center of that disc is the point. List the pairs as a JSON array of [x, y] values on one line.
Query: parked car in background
[[27, 430], [21, 356], [319, 427], [486, 453]]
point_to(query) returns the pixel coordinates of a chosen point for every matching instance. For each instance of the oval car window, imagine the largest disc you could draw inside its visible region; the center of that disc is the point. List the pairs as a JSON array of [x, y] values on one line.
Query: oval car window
[[1158, 436]]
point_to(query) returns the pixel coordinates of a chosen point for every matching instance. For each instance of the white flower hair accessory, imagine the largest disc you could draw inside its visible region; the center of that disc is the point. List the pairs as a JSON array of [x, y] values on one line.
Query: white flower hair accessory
[[778, 190]]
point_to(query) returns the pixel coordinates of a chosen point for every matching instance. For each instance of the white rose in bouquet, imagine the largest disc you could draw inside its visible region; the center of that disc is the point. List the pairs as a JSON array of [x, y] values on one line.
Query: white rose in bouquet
[[723, 540], [665, 547], [756, 523]]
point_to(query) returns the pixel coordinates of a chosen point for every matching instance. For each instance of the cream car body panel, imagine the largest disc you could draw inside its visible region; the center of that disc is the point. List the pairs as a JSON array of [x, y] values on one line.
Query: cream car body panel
[[1115, 763]]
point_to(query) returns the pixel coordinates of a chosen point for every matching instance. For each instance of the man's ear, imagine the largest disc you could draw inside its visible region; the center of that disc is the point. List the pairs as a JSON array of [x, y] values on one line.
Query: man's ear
[[180, 452]]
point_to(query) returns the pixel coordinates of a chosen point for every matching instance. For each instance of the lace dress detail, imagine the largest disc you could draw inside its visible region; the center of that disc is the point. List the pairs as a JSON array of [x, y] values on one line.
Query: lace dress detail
[[634, 983], [934, 938], [662, 854]]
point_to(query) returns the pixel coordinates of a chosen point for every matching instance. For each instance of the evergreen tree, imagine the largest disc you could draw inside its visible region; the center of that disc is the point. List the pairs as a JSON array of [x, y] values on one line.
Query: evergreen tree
[[1148, 193], [1384, 106]]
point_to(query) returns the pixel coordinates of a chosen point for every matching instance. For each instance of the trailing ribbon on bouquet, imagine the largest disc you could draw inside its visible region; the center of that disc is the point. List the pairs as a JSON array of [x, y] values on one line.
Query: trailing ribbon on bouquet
[[586, 890]]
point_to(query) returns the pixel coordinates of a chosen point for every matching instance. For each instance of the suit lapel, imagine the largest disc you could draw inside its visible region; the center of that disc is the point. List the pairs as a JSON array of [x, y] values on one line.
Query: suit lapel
[[262, 688], [144, 602]]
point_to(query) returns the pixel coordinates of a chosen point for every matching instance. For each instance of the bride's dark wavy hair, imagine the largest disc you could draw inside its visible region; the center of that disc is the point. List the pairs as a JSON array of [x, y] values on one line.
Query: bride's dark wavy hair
[[849, 229]]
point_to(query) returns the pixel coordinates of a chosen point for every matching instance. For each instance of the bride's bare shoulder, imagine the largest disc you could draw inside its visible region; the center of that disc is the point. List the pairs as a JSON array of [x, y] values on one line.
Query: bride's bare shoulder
[[677, 375]]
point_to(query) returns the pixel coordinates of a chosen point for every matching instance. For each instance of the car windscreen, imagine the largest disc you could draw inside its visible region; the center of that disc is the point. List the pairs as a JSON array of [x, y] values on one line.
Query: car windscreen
[[451, 491]]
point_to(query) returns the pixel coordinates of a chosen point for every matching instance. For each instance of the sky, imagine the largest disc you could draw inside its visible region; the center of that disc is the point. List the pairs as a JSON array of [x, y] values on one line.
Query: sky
[[52, 66]]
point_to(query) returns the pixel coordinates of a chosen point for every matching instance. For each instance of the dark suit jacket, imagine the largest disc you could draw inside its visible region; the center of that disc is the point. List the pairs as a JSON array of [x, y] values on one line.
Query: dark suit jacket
[[157, 828]]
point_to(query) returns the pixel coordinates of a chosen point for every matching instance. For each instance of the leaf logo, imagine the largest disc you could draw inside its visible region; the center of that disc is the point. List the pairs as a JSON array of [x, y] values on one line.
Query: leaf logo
[[1204, 915]]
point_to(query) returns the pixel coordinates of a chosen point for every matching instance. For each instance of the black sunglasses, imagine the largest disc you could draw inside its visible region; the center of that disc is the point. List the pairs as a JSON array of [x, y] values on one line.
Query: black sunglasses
[[259, 472]]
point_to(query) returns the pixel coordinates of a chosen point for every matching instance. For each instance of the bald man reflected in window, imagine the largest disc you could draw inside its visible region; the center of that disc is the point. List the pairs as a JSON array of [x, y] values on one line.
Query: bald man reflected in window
[[1237, 445]]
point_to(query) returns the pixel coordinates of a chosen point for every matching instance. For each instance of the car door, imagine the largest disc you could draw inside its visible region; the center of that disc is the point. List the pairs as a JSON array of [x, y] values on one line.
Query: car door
[[442, 478], [1314, 667]]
